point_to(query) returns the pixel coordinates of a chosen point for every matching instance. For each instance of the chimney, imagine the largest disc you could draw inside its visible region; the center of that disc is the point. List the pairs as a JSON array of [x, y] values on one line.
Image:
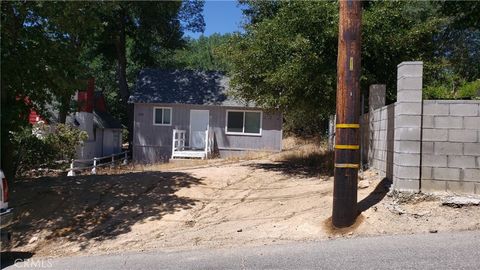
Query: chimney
[[84, 116], [85, 98]]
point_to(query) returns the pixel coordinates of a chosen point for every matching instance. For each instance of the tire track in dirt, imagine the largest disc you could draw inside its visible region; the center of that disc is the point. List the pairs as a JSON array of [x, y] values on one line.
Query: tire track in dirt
[[258, 184]]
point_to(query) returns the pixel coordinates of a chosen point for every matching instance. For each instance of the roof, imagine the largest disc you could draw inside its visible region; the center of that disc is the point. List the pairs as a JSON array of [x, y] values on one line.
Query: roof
[[103, 119], [184, 87]]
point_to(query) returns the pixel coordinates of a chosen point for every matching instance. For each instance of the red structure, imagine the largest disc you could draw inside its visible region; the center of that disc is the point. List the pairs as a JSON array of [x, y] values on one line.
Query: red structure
[[86, 102], [85, 98], [33, 116]]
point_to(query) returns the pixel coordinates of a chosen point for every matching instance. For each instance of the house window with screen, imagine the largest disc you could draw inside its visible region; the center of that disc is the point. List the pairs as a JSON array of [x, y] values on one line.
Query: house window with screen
[[162, 116], [244, 122]]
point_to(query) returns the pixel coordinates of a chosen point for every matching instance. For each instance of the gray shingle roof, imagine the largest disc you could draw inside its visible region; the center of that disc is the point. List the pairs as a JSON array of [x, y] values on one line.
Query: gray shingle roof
[[183, 87], [105, 120]]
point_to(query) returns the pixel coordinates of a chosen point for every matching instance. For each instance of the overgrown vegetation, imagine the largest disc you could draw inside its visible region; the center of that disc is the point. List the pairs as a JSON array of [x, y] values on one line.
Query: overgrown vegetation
[[39, 146], [453, 89]]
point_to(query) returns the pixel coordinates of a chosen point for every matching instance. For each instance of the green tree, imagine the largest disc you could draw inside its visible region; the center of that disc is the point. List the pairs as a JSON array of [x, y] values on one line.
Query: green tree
[[203, 53], [130, 34], [287, 56], [47, 55], [40, 47], [287, 61]]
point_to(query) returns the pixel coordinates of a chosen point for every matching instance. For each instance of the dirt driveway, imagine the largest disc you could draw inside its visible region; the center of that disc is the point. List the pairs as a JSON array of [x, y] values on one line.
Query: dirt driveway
[[256, 202]]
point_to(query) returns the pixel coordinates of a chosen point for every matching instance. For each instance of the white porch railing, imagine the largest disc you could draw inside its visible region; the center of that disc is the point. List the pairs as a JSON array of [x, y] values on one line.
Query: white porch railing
[[209, 143], [179, 149], [178, 143]]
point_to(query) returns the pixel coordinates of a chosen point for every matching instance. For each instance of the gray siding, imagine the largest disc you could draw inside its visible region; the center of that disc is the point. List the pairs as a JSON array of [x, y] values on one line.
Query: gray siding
[[153, 143]]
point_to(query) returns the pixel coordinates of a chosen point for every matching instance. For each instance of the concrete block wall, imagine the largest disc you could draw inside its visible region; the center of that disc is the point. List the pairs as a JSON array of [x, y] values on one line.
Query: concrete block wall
[[380, 143], [431, 145], [408, 118], [451, 146]]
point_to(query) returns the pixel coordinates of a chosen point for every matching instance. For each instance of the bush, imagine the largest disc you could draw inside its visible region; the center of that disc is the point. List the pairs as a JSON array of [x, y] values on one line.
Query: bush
[[465, 90], [470, 90], [42, 145]]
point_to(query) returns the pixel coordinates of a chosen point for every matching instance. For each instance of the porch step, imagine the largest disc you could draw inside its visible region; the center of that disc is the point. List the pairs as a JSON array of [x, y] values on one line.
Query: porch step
[[189, 154]]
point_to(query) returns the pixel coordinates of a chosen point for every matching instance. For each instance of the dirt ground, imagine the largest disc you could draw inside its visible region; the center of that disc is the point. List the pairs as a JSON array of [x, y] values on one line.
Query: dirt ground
[[278, 198]]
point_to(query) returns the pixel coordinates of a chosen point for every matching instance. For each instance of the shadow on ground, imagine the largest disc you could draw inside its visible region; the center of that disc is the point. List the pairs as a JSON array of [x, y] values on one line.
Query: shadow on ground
[[10, 258], [94, 207], [375, 196], [306, 165]]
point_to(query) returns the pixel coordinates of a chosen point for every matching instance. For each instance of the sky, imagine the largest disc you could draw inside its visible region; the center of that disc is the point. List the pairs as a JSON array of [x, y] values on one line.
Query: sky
[[220, 17]]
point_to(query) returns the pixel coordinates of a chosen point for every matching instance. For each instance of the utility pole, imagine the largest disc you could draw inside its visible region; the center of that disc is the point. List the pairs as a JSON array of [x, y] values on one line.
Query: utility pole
[[347, 125]]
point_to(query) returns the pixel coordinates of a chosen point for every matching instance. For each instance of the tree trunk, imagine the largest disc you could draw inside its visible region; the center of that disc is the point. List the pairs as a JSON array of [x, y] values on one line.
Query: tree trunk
[[64, 109], [120, 45]]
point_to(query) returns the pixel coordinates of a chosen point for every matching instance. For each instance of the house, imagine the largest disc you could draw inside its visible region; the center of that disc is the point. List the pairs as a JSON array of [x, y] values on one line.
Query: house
[[189, 114], [104, 131]]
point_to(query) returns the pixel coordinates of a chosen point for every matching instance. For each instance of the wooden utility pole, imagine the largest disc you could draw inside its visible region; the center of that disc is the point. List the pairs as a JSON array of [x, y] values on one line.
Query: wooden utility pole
[[347, 124]]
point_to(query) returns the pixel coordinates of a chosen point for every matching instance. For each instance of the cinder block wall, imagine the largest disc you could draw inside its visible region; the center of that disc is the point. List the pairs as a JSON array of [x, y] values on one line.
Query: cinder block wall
[[451, 146], [431, 145], [381, 137]]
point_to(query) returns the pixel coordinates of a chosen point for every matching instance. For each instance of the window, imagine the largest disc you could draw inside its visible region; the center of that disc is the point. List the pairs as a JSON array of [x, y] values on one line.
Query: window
[[244, 122], [162, 116]]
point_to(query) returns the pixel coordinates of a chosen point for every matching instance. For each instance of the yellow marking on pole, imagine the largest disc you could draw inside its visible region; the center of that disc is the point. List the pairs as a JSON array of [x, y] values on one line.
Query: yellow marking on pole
[[347, 147], [347, 165], [348, 126], [351, 63]]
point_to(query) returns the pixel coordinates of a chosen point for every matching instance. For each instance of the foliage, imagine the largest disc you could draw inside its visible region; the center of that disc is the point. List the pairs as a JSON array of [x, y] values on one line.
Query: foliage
[[464, 15], [129, 36], [203, 53], [397, 31], [257, 11], [38, 146], [470, 90], [286, 58], [39, 62], [461, 90], [47, 55], [285, 62]]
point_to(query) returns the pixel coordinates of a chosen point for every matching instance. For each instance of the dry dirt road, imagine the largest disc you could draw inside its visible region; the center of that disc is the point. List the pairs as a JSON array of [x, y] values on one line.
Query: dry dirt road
[[246, 203]]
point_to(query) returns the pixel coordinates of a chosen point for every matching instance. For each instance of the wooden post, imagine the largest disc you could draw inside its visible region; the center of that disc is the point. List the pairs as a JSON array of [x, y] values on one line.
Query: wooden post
[[206, 144], [94, 169], [125, 158], [347, 123], [71, 172], [173, 142], [331, 132]]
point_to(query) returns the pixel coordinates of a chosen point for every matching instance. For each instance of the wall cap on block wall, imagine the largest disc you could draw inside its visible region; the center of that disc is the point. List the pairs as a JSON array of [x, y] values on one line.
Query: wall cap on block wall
[[410, 63]]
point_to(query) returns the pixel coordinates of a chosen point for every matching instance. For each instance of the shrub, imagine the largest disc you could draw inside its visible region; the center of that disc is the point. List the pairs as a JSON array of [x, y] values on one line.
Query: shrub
[[42, 145], [465, 90], [470, 90]]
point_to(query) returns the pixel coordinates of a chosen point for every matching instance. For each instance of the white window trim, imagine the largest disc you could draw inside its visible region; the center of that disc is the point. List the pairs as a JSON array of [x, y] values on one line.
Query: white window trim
[[243, 133], [163, 108]]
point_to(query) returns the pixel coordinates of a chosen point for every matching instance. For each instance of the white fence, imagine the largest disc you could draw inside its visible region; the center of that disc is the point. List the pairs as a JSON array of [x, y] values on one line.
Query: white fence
[[97, 162]]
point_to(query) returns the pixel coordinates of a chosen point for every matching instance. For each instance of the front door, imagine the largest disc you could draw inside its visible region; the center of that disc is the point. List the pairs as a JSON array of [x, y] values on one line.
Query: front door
[[198, 126]]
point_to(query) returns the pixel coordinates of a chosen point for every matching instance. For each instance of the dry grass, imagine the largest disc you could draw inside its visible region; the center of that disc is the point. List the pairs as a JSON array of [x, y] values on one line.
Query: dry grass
[[177, 164], [305, 157], [307, 153], [292, 142]]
